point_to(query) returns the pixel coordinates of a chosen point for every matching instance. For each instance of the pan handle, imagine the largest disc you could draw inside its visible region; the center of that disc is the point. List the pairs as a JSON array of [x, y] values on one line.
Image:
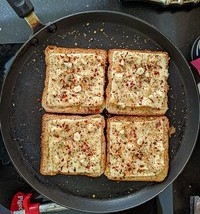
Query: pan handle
[[25, 9]]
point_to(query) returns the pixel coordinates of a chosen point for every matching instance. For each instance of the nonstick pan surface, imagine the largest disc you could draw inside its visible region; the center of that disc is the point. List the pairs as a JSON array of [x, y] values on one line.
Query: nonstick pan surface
[[21, 110]]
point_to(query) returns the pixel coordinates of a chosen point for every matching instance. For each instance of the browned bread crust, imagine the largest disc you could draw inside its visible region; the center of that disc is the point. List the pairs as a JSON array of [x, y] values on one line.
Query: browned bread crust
[[87, 75], [59, 146], [131, 148], [134, 85]]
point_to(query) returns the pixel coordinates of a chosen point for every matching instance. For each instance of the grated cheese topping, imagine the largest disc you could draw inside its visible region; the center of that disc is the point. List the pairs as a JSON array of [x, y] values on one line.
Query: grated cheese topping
[[75, 80], [136, 148], [139, 79], [74, 145]]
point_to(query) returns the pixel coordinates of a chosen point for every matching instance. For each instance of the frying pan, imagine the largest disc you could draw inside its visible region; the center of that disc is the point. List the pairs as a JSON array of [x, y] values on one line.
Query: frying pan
[[21, 112]]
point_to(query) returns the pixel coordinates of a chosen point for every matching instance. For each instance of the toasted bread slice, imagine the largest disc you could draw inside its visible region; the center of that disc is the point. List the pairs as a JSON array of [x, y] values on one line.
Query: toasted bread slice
[[137, 148], [137, 82], [72, 145], [75, 80]]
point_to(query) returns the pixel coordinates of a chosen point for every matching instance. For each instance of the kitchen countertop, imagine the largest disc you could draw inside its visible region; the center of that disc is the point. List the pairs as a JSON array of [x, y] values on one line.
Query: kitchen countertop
[[180, 24]]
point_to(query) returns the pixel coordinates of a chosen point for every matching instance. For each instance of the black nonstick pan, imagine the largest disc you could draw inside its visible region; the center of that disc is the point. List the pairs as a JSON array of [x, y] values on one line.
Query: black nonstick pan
[[21, 111]]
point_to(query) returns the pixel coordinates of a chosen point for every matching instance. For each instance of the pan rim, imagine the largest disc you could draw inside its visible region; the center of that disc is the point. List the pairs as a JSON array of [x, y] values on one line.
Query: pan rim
[[105, 205]]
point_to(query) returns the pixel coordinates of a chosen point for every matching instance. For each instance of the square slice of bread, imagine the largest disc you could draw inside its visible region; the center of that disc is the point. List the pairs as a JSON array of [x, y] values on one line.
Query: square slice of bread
[[137, 82], [75, 80], [137, 148], [73, 145]]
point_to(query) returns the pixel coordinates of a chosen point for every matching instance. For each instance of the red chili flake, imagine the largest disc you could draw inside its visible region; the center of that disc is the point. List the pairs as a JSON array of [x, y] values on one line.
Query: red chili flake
[[148, 66], [156, 73], [96, 110], [129, 169], [139, 156], [91, 154], [38, 99], [158, 124], [132, 84], [56, 135], [67, 147], [133, 133]]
